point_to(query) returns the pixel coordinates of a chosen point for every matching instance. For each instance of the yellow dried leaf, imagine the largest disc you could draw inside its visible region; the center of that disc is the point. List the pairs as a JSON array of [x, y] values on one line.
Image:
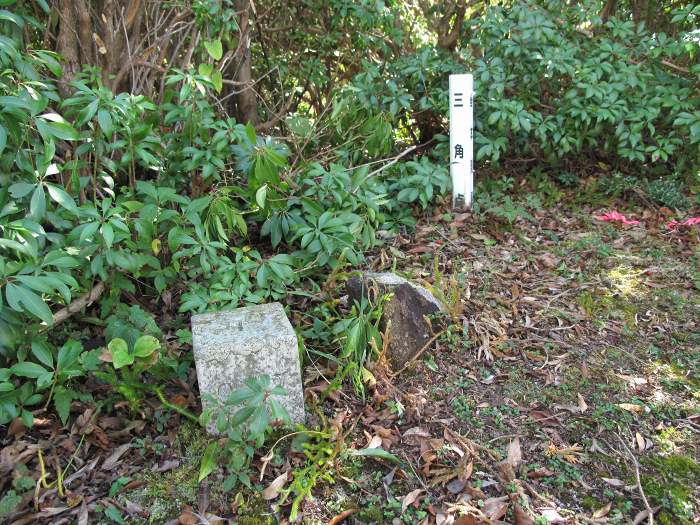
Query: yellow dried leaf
[[631, 407]]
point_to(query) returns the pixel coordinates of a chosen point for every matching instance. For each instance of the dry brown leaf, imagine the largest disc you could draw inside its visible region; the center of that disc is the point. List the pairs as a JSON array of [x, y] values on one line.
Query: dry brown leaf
[[614, 482], [641, 443], [464, 472], [601, 512], [410, 498], [341, 517], [113, 459], [442, 518], [83, 514], [642, 515], [521, 516], [631, 407], [582, 404], [513, 453], [496, 508], [416, 432], [466, 520], [552, 515], [375, 442], [16, 428], [187, 517], [540, 473], [274, 488]]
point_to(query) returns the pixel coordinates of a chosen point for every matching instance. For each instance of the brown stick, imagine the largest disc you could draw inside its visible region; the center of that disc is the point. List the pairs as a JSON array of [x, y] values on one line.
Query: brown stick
[[341, 517], [77, 305], [650, 511]]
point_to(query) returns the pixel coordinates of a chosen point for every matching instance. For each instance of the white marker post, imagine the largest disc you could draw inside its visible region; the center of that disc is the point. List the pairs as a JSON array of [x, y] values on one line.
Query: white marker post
[[461, 139]]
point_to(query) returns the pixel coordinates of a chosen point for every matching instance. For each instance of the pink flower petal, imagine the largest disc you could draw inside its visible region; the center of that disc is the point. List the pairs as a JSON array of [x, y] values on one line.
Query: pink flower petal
[[615, 216], [688, 222]]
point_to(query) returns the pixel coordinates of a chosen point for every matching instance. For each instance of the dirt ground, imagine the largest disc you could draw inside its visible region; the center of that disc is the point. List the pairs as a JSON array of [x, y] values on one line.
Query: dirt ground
[[564, 389]]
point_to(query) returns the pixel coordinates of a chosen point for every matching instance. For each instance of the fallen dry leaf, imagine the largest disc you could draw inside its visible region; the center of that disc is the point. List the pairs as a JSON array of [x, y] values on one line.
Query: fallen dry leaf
[[466, 520], [552, 515], [113, 459], [375, 442], [601, 512], [614, 482], [582, 404], [642, 515], [341, 517], [416, 432], [410, 498], [274, 488], [514, 455], [496, 508], [630, 407], [187, 517], [521, 516]]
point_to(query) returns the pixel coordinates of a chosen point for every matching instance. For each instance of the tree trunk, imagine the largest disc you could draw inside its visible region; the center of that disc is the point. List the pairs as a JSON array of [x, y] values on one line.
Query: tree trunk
[[246, 98], [67, 45]]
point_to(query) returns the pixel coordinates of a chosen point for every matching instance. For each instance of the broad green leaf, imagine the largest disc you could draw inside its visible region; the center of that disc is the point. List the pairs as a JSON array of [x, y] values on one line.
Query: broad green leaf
[[241, 416], [68, 354], [259, 422], [104, 118], [59, 195], [377, 453], [120, 353], [28, 369], [3, 139], [42, 352], [208, 460], [20, 189], [37, 205], [261, 195], [278, 412], [239, 395], [27, 418], [30, 302], [62, 398], [214, 48], [146, 345], [113, 513], [11, 17], [60, 130], [108, 234], [218, 80]]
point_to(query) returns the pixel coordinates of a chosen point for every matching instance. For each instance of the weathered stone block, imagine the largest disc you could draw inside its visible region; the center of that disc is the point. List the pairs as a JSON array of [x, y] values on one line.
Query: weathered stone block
[[406, 311], [230, 347]]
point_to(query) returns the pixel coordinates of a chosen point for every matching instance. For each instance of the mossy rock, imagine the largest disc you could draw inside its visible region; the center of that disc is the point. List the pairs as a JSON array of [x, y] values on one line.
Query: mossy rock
[[672, 482], [165, 493]]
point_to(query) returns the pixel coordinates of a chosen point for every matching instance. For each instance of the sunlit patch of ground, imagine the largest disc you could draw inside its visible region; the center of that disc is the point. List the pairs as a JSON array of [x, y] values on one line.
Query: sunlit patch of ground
[[584, 343]]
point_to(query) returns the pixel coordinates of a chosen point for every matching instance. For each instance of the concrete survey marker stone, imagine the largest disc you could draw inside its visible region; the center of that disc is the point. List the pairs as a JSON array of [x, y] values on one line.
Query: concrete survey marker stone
[[405, 312], [230, 347]]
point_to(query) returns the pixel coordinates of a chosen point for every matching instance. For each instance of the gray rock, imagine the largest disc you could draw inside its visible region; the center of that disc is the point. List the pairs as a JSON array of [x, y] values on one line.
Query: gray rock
[[406, 311], [230, 347]]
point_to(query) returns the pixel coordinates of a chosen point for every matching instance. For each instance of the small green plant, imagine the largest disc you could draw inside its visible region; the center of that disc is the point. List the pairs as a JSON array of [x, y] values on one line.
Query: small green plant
[[668, 192], [51, 374], [362, 341], [319, 453], [246, 418]]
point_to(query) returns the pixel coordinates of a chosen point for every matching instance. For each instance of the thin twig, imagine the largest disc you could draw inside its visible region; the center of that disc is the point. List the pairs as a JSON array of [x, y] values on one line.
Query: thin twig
[[391, 162], [639, 481]]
